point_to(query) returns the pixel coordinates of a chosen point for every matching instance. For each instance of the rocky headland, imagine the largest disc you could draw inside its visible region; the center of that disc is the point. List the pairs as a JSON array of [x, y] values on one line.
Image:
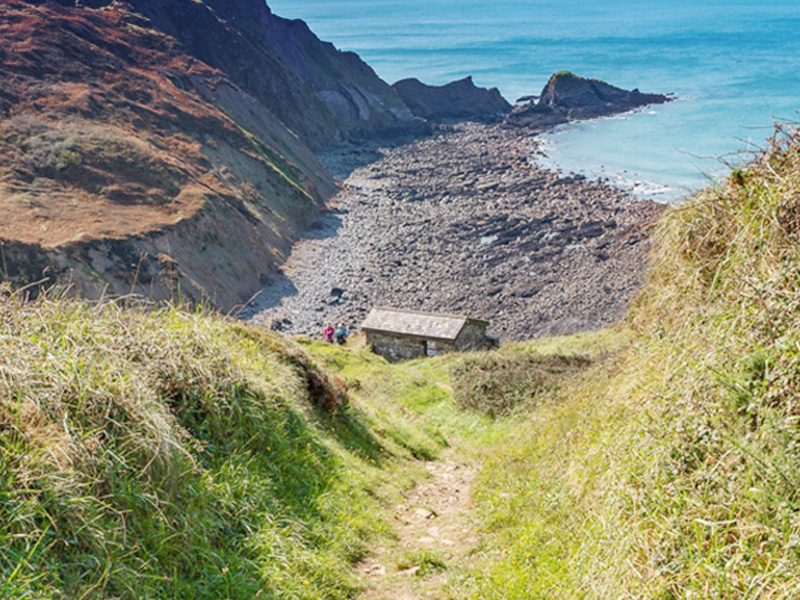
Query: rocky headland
[[463, 222], [569, 97], [459, 100]]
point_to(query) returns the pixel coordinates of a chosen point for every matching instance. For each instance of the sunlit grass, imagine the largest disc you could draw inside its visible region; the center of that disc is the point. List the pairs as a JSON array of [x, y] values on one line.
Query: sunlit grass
[[672, 469], [169, 454]]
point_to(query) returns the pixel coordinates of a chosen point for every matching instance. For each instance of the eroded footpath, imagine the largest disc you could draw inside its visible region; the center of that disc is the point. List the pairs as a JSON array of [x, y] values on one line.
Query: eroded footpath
[[434, 535]]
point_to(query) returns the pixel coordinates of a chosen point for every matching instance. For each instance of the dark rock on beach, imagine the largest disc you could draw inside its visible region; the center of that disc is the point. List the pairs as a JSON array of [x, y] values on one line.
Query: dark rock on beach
[[464, 222], [459, 100], [568, 97]]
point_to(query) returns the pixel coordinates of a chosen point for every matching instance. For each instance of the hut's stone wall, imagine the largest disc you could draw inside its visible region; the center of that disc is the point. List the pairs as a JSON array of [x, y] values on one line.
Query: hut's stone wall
[[406, 339], [396, 348], [473, 337]]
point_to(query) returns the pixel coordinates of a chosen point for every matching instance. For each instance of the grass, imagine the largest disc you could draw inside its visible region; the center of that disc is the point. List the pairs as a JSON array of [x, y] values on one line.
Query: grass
[[167, 454], [423, 390], [670, 470], [159, 453]]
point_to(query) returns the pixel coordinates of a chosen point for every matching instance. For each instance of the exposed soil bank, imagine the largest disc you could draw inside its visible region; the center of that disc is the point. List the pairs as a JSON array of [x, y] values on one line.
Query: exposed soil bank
[[463, 222]]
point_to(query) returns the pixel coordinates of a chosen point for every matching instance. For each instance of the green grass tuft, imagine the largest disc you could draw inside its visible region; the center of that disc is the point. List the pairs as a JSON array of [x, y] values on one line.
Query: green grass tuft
[[425, 561]]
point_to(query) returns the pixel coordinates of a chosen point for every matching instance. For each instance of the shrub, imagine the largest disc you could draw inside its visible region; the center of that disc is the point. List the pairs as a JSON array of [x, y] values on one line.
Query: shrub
[[495, 384]]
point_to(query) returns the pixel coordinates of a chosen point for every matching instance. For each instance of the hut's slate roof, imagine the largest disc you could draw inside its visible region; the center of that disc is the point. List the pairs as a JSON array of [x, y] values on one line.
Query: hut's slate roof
[[414, 323]]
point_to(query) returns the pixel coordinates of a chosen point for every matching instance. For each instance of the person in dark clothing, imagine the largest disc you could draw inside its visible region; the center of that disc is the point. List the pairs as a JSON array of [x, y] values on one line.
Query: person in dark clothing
[[340, 335]]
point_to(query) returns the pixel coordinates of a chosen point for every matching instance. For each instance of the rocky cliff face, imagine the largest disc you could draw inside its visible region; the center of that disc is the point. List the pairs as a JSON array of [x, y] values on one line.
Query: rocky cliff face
[[568, 97], [322, 94], [457, 101], [127, 164]]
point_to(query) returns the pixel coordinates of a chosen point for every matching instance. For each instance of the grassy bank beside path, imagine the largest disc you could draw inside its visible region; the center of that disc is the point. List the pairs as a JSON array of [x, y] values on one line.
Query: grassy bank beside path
[[168, 454]]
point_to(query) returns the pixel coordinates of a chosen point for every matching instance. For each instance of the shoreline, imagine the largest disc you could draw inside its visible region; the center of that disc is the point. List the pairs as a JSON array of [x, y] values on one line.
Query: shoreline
[[463, 221]]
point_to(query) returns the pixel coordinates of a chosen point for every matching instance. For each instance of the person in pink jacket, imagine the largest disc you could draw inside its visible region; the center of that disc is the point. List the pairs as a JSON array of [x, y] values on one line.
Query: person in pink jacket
[[328, 334]]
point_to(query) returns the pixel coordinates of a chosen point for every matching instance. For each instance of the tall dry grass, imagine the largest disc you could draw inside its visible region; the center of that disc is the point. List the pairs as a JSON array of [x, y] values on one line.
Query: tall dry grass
[[673, 471]]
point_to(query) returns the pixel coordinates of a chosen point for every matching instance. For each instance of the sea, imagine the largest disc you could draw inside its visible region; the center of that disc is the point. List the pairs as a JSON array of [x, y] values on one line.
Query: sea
[[733, 66]]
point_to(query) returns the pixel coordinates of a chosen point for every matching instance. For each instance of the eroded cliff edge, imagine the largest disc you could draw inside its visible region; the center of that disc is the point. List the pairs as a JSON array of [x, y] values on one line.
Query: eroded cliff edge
[[128, 165]]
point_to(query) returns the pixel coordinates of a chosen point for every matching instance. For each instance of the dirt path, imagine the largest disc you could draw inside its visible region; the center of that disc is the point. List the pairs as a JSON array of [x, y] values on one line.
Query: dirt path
[[434, 536]]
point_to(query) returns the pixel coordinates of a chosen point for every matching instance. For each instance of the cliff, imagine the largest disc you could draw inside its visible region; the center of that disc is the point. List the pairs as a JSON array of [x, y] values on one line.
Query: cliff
[[128, 165], [459, 100], [568, 97], [324, 95]]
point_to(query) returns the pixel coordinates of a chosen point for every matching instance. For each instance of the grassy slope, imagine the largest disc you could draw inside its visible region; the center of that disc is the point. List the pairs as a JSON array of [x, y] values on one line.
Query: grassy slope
[[165, 454], [423, 391], [174, 455], [672, 471]]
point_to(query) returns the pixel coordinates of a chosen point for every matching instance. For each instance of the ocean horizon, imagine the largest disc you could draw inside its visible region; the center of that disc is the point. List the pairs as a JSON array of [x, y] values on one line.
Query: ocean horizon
[[734, 68]]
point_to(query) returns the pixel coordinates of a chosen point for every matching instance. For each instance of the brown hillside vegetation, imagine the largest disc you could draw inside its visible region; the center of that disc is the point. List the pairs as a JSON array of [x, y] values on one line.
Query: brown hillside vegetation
[[117, 148]]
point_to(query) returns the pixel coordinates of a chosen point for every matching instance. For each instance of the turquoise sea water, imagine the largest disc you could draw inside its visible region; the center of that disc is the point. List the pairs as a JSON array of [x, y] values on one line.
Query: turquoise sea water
[[734, 65]]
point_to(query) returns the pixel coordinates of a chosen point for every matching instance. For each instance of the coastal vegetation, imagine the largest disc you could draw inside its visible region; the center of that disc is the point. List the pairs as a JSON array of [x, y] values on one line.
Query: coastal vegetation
[[672, 470], [152, 451], [174, 454], [167, 453]]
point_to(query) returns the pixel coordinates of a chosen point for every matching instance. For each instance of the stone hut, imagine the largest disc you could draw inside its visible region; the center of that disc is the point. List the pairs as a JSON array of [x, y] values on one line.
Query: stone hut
[[399, 334]]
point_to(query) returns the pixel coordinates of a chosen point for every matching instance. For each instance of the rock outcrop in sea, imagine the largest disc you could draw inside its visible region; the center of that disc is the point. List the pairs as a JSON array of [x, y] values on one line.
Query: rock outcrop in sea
[[459, 100], [568, 97]]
